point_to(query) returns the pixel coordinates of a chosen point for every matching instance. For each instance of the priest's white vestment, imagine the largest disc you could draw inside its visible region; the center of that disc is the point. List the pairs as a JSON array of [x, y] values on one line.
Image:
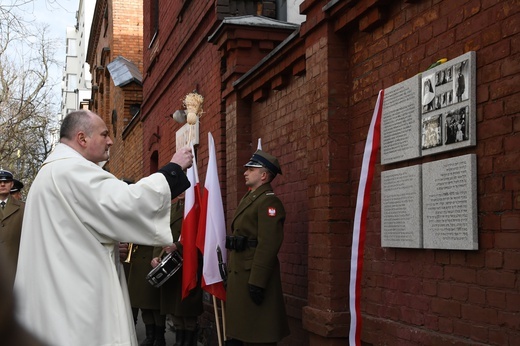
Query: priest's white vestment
[[69, 290]]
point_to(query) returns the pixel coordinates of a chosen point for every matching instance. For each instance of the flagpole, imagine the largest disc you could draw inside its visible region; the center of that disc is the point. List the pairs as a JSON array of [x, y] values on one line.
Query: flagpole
[[217, 320], [223, 318]]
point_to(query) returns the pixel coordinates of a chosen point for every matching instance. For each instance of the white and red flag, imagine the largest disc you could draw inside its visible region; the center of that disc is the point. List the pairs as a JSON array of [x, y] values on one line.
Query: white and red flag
[[358, 238], [189, 231], [211, 238]]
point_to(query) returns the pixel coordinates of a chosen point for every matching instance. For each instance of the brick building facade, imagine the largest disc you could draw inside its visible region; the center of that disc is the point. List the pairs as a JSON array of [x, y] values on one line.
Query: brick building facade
[[115, 55], [309, 92]]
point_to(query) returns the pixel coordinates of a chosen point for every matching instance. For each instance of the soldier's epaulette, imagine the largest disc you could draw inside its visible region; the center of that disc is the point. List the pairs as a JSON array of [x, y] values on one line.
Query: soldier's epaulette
[[270, 193]]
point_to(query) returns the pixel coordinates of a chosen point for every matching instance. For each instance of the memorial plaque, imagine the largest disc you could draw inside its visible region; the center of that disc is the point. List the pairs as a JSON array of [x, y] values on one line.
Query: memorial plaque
[[450, 203], [185, 133], [448, 105], [400, 122], [433, 205], [432, 112], [401, 213]]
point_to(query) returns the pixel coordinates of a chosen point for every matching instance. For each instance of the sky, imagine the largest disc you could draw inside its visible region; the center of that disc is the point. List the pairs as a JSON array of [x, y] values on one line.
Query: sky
[[58, 15]]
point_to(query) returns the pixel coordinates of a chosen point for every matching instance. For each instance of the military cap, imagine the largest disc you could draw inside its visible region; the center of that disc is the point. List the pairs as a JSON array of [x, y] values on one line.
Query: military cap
[[17, 186], [5, 175], [262, 159]]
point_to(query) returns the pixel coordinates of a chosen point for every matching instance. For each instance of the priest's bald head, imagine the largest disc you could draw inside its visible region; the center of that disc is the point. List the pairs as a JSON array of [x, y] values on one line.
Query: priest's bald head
[[87, 133]]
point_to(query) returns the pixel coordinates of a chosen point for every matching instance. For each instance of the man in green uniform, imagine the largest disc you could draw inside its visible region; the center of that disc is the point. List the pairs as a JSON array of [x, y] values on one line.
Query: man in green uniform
[[145, 297], [255, 308], [11, 217], [16, 190], [184, 312]]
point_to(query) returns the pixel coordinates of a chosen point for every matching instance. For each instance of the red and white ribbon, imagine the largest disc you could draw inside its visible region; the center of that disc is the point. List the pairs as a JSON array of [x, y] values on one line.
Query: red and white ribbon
[[363, 201]]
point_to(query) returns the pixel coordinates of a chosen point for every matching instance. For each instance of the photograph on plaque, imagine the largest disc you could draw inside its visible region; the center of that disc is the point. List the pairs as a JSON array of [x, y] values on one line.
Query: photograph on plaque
[[437, 90], [432, 112], [432, 131], [428, 93], [455, 126], [459, 83], [449, 92]]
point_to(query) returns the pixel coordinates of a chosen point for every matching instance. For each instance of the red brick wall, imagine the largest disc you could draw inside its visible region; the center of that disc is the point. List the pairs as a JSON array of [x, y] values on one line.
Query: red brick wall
[[317, 123], [127, 19], [433, 296], [126, 153], [181, 66], [409, 296]]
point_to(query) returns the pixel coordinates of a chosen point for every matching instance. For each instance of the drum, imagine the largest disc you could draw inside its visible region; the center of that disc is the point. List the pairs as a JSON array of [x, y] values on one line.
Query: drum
[[168, 266]]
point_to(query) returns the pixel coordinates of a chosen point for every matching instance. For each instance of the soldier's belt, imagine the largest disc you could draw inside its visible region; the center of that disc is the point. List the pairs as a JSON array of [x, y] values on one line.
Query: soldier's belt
[[239, 243]]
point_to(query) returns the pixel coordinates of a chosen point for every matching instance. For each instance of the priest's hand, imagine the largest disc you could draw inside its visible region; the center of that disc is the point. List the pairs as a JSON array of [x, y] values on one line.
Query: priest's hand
[[183, 157], [170, 248], [123, 251]]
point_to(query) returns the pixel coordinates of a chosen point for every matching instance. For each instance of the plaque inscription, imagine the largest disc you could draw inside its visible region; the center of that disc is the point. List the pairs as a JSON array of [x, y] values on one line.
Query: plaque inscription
[[449, 204], [401, 214]]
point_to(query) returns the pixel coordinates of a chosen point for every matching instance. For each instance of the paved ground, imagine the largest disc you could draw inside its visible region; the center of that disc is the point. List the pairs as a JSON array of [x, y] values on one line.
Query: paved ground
[[169, 335], [141, 334]]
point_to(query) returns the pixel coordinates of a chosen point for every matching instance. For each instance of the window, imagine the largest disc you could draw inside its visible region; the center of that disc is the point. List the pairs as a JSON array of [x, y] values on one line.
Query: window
[[154, 20], [72, 82], [114, 121], [154, 162], [71, 47], [134, 109], [106, 20]]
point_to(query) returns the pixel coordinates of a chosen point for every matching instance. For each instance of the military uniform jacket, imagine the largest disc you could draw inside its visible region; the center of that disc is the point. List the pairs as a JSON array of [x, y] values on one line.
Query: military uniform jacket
[[171, 290], [259, 216], [142, 294], [11, 218]]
